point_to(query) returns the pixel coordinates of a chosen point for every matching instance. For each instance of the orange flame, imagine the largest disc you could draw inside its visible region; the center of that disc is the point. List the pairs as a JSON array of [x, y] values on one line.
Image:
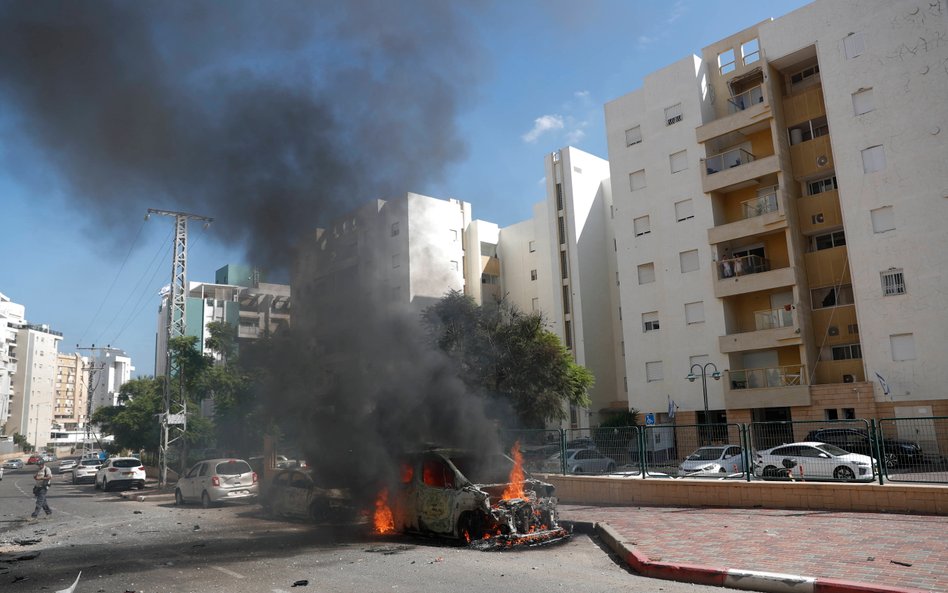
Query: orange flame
[[515, 489], [384, 522]]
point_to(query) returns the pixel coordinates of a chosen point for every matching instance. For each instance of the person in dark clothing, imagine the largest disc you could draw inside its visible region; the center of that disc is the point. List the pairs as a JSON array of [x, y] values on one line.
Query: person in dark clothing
[[41, 485]]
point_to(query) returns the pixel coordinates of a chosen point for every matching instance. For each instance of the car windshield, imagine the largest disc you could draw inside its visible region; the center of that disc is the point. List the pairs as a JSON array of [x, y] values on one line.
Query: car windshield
[[126, 463], [484, 469], [833, 450], [233, 467], [705, 454]]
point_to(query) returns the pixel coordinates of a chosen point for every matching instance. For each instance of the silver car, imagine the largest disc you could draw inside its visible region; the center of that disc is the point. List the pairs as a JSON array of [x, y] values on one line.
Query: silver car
[[217, 480], [713, 461]]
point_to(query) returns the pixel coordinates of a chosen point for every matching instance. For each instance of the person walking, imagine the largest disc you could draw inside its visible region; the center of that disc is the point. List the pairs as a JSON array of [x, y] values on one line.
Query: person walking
[[41, 479]]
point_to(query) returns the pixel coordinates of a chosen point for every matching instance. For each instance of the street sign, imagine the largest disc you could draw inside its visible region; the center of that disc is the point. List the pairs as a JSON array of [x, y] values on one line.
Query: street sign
[[650, 420]]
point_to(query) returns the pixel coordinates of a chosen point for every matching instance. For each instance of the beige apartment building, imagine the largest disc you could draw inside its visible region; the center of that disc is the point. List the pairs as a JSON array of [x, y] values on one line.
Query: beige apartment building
[[71, 410]]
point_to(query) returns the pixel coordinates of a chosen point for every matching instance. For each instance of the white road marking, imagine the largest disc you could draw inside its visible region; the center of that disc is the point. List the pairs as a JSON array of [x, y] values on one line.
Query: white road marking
[[236, 575]]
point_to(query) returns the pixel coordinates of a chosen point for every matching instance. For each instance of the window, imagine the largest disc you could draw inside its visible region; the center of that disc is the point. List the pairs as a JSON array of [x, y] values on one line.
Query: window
[[561, 230], [863, 101], [647, 273], [488, 249], [883, 219], [536, 304], [818, 186], [673, 114], [654, 371], [809, 72], [688, 260], [564, 265], [832, 296], [678, 161], [847, 352], [533, 275], [893, 282], [559, 196], [726, 61], [566, 300], [394, 229], [694, 312], [453, 233], [849, 413], [830, 414], [533, 246], [650, 321], [750, 51], [454, 266], [829, 240], [808, 130], [854, 44], [568, 334], [873, 159], [633, 135], [395, 262], [637, 180], [684, 210], [641, 226], [903, 347]]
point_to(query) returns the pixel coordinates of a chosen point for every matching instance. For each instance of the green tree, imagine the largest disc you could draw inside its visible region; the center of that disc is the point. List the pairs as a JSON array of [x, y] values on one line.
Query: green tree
[[510, 356], [134, 423]]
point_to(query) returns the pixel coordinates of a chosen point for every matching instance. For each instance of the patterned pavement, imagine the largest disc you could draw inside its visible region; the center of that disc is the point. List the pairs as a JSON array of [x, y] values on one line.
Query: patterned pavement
[[896, 550]]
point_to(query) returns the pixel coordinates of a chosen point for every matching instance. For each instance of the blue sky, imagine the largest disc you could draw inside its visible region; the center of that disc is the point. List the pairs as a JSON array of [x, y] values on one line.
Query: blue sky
[[539, 79]]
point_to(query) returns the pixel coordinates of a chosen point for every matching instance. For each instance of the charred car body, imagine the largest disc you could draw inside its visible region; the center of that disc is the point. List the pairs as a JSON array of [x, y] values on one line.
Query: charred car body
[[484, 499]]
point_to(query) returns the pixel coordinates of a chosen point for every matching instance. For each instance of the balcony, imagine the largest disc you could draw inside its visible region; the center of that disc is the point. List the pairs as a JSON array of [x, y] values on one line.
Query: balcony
[[812, 157], [768, 387], [773, 328], [743, 110], [734, 168], [839, 371], [828, 267], [758, 216], [740, 266], [750, 273], [727, 160]]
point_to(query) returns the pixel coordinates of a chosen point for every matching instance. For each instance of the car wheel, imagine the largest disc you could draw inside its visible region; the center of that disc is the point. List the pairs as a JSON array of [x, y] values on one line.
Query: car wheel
[[891, 461], [577, 470], [770, 472], [205, 500], [178, 498], [470, 528], [844, 473]]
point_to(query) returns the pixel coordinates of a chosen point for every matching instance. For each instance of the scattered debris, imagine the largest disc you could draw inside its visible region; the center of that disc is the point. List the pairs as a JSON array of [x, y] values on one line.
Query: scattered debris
[[870, 558], [301, 583], [22, 541], [136, 512], [196, 528], [17, 579], [71, 588], [900, 563]]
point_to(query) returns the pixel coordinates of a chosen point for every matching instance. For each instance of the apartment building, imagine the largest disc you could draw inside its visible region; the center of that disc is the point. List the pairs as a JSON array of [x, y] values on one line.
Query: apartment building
[[33, 399], [11, 317], [109, 368], [779, 206], [71, 409]]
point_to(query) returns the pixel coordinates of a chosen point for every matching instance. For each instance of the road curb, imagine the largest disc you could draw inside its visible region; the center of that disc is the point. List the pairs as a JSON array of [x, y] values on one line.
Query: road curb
[[748, 580]]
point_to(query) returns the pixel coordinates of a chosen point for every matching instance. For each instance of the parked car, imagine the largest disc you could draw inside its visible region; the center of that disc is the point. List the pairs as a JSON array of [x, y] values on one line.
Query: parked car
[[895, 451], [581, 443], [813, 460], [67, 465], [217, 480], [33, 459], [715, 460], [13, 464], [581, 461], [293, 493], [85, 470], [120, 472]]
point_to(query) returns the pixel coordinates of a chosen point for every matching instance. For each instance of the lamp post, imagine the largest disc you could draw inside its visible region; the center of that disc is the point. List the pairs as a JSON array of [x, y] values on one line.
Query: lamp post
[[703, 369]]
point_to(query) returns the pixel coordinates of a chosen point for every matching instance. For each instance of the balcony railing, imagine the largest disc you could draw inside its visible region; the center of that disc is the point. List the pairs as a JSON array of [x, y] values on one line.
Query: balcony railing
[[760, 205], [746, 99], [727, 160], [774, 318], [742, 266], [783, 376]]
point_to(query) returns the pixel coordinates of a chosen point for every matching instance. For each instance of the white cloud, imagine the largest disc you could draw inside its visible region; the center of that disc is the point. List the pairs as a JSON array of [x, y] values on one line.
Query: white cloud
[[581, 95], [645, 40], [542, 125], [575, 136], [677, 11]]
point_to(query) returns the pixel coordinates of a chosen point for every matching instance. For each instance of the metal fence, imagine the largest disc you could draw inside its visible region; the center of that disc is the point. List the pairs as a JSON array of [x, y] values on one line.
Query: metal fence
[[859, 450]]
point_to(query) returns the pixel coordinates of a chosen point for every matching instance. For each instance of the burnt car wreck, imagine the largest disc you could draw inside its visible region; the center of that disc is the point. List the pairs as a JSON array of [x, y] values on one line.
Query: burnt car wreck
[[484, 500]]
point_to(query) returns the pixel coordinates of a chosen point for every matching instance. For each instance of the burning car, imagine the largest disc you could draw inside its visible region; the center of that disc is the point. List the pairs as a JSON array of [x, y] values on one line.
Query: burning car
[[485, 500]]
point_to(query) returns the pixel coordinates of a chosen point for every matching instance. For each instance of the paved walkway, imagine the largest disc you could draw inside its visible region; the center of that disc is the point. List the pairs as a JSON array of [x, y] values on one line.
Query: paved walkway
[[909, 551]]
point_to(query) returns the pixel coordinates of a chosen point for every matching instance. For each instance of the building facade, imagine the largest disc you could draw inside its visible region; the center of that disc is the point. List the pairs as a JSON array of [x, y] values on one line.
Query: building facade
[[11, 317], [109, 368], [71, 410], [34, 383]]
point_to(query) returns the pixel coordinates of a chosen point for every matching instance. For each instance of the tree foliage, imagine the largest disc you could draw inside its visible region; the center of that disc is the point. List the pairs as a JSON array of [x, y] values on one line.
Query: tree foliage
[[510, 356], [134, 424]]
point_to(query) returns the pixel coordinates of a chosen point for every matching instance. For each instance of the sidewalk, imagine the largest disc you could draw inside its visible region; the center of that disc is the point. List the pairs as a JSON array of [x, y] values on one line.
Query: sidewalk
[[835, 551]]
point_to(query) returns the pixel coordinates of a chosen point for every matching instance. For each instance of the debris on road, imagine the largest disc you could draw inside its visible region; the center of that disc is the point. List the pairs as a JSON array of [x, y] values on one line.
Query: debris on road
[[71, 588], [301, 583]]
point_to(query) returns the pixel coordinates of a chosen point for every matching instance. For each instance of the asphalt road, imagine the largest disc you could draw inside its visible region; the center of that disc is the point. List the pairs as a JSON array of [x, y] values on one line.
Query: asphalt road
[[126, 544]]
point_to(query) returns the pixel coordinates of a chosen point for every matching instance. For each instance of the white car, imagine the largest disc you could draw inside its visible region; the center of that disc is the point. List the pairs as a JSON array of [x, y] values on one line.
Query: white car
[[120, 472], [812, 460], [581, 461], [86, 470], [713, 461], [217, 480], [67, 465]]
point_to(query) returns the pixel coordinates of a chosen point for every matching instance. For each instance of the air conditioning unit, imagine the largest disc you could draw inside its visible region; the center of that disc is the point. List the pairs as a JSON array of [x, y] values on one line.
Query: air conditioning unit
[[833, 330], [821, 160], [849, 379]]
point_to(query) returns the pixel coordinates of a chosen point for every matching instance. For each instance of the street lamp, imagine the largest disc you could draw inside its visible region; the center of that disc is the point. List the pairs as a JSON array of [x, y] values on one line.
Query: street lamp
[[716, 375]]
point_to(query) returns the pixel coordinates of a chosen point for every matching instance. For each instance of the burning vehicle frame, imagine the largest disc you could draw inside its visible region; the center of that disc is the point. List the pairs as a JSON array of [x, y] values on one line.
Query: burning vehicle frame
[[485, 500]]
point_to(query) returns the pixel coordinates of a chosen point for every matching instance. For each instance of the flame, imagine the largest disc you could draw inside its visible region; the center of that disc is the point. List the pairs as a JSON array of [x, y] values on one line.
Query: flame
[[384, 522], [515, 489]]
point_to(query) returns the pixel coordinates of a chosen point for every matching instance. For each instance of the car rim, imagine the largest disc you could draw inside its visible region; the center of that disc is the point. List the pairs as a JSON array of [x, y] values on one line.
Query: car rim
[[845, 474]]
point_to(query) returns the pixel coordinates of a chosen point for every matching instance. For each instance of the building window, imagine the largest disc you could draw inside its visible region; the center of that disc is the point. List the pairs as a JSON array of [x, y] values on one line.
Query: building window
[[854, 44], [819, 186], [561, 230], [673, 114], [808, 130], [488, 249], [533, 275], [684, 210], [650, 321], [847, 352], [893, 282], [694, 312], [564, 266], [559, 196], [849, 413], [533, 246], [637, 180], [454, 266], [654, 371], [883, 219], [831, 414], [647, 273], [394, 229], [633, 135], [873, 159], [903, 347], [832, 296], [641, 226], [453, 233], [568, 334], [829, 240], [726, 61], [395, 262], [566, 300], [750, 51], [536, 304], [688, 260], [863, 101], [808, 72], [678, 161]]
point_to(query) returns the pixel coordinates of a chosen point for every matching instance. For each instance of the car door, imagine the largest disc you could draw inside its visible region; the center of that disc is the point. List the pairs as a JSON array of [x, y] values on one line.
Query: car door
[[436, 496], [276, 493], [188, 485], [297, 494], [732, 460], [815, 463]]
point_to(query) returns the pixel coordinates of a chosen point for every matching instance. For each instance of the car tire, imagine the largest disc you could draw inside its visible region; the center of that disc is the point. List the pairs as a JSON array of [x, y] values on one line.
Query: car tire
[[770, 472], [844, 473], [205, 500], [469, 528], [178, 498]]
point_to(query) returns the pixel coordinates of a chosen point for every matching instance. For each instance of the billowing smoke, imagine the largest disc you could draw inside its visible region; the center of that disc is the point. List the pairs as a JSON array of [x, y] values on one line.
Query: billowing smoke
[[272, 118]]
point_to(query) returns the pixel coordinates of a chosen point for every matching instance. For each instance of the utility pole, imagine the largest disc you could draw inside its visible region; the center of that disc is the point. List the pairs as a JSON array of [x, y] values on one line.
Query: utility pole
[[90, 394], [175, 414]]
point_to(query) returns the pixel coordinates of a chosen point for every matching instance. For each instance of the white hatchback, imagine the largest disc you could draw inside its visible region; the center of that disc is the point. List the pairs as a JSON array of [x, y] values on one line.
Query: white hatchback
[[119, 472], [812, 460], [217, 480]]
